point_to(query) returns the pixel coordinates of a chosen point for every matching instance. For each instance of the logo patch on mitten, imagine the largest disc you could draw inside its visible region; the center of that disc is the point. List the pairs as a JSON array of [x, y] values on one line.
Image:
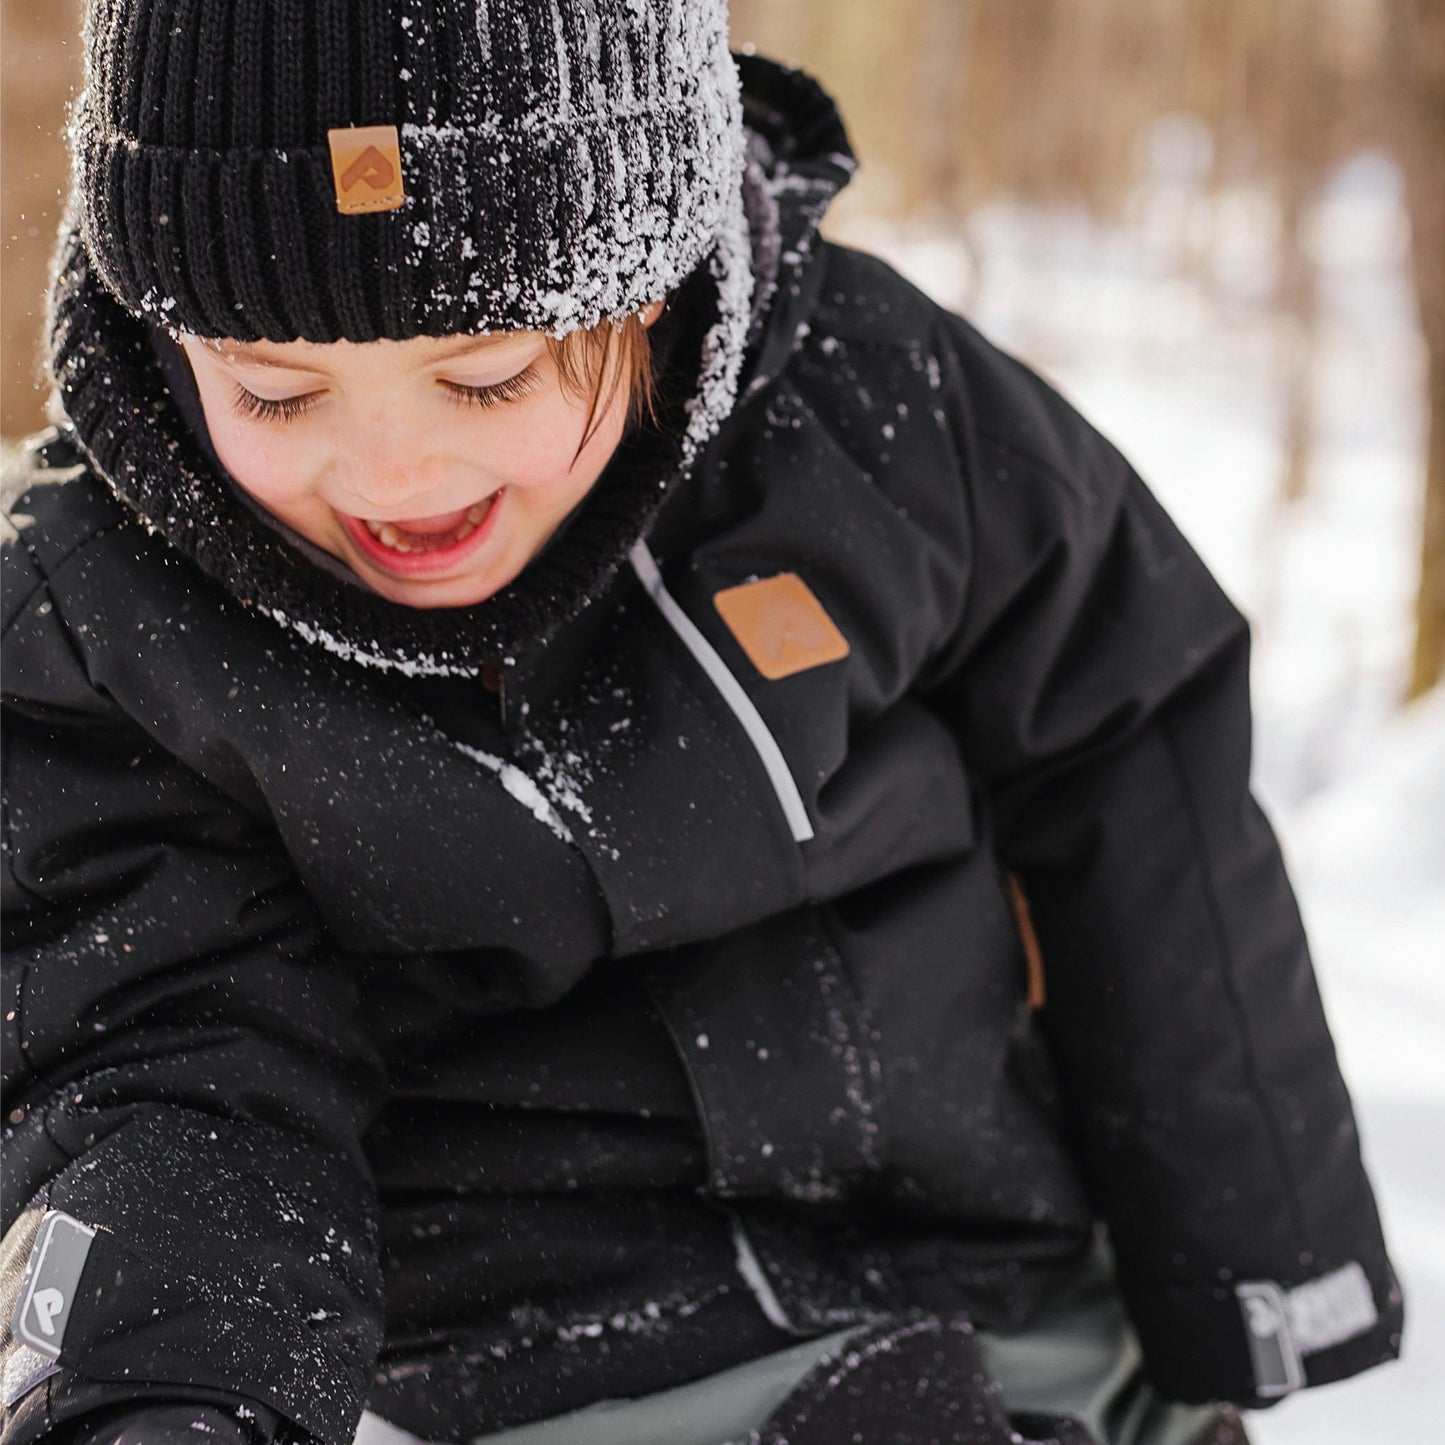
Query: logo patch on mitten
[[366, 168], [51, 1280]]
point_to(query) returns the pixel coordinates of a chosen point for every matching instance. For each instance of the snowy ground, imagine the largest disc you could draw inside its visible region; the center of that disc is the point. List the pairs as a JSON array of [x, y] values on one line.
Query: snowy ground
[[1155, 331]]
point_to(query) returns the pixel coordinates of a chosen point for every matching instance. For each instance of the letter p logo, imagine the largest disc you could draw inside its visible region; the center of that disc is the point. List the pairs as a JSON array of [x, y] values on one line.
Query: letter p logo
[[366, 169], [45, 1307], [51, 1283]]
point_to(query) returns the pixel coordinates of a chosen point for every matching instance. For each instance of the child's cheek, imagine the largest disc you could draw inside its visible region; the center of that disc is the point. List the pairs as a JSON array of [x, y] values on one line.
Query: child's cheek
[[534, 446], [275, 471]]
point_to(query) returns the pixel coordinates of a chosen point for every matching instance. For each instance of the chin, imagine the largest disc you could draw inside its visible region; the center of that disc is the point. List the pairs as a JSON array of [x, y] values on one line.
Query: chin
[[431, 595]]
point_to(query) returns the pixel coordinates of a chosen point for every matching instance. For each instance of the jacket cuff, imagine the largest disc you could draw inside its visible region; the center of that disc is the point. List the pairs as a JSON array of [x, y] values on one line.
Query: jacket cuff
[[137, 1327], [1252, 1342], [52, 1416]]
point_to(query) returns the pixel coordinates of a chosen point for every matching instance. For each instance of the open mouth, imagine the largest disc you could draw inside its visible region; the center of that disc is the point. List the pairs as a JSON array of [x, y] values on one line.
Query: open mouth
[[424, 535], [425, 544]]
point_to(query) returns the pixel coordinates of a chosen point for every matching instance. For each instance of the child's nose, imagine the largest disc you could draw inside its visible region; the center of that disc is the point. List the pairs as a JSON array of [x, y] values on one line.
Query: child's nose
[[389, 474]]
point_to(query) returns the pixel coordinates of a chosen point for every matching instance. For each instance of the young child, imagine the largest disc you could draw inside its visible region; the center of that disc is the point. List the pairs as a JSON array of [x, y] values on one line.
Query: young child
[[617, 830]]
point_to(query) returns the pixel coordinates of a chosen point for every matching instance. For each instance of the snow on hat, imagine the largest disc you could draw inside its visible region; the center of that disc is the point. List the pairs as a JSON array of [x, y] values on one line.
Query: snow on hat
[[357, 169]]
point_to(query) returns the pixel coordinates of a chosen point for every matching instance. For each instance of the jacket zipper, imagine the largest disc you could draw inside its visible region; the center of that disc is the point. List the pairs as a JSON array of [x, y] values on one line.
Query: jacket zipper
[[762, 739]]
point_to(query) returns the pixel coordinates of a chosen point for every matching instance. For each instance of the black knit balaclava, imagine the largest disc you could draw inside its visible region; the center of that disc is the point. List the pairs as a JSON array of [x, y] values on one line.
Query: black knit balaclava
[[560, 161], [364, 169]]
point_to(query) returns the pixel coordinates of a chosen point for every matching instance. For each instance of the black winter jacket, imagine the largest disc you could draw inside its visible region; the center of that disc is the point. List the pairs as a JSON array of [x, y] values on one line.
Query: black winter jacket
[[601, 1010]]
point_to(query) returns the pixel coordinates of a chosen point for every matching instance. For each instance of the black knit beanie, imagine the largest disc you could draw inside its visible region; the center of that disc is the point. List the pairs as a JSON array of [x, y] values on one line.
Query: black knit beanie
[[356, 169]]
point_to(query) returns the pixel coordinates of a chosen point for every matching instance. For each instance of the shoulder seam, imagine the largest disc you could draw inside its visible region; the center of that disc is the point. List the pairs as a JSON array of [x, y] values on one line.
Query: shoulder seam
[[929, 308], [46, 583], [43, 585], [1022, 452], [870, 343], [985, 432]]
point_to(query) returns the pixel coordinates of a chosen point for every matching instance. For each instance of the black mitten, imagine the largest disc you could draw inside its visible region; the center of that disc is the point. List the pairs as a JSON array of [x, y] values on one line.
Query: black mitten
[[1050, 1429], [917, 1382], [198, 1424]]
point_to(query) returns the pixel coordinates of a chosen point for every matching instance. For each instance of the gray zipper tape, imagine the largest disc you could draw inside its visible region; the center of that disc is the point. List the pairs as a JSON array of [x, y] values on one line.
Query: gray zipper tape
[[758, 732]]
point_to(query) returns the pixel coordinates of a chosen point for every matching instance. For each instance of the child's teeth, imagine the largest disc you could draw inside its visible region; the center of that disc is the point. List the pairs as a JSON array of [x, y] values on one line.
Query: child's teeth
[[399, 541]]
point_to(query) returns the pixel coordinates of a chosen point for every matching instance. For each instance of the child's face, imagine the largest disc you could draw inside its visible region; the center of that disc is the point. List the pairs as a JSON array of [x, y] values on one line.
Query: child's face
[[435, 468]]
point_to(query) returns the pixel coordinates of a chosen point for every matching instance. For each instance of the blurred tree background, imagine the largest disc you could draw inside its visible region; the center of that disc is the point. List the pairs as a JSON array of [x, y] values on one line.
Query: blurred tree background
[[955, 104], [1225, 108], [39, 73]]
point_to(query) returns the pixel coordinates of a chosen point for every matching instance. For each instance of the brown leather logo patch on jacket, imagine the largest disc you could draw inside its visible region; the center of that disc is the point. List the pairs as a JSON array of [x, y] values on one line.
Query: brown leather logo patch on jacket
[[366, 168], [780, 625]]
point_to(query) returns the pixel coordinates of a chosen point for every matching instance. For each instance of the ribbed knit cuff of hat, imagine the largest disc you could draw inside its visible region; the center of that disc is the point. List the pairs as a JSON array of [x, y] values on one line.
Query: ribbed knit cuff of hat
[[559, 164]]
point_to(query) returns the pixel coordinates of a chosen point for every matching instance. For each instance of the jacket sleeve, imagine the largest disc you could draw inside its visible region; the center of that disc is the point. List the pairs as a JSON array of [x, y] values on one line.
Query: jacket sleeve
[[186, 1079], [1099, 683]]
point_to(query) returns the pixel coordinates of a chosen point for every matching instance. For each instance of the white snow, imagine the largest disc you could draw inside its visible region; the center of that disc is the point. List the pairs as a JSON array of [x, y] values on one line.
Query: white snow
[[756, 1279], [1369, 864], [1156, 330], [524, 789], [421, 665]]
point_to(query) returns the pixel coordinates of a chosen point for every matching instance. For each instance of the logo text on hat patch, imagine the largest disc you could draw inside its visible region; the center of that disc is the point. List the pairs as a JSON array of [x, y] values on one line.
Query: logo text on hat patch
[[781, 625], [366, 167]]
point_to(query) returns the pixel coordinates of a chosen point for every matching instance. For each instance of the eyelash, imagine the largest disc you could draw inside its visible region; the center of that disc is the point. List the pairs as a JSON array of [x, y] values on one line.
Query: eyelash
[[514, 388], [289, 408]]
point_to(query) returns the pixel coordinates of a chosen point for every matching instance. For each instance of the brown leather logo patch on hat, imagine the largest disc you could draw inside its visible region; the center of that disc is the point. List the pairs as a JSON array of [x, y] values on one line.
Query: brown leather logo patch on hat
[[366, 167], [780, 625]]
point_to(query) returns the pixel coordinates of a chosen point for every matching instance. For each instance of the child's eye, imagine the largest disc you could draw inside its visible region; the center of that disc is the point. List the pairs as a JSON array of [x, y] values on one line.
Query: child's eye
[[287, 408], [512, 389]]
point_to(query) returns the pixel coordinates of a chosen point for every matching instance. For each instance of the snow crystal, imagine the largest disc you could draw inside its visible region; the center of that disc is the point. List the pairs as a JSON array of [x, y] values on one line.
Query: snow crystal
[[756, 1279], [561, 776], [423, 664], [522, 788], [722, 350], [645, 1317]]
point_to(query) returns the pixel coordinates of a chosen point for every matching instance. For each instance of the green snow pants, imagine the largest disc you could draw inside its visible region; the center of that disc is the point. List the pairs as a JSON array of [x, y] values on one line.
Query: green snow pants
[[1078, 1357]]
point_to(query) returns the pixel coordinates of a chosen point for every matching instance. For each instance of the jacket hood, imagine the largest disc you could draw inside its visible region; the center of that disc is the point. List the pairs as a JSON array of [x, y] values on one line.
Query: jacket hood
[[737, 323], [799, 158]]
